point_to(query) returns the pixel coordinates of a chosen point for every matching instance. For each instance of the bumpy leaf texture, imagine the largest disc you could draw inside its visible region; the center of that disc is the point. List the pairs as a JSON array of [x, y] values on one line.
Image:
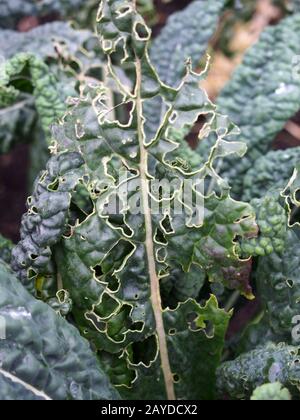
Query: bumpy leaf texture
[[279, 288], [271, 171], [271, 392], [291, 196], [12, 11], [272, 363], [262, 96], [257, 333], [6, 247], [272, 226], [58, 46], [114, 235], [185, 35], [48, 101], [44, 40], [42, 356]]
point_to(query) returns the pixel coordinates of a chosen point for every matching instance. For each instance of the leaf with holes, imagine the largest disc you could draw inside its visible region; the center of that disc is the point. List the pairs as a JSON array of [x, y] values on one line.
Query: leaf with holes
[[186, 35], [272, 363], [116, 212], [262, 96]]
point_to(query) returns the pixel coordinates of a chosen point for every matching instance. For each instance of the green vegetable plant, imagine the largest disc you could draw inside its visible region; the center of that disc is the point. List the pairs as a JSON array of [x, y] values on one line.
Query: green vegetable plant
[[135, 249]]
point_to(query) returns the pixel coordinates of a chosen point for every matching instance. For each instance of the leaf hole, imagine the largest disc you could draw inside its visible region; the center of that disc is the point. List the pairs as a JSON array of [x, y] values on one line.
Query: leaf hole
[[118, 221], [54, 185], [144, 351], [209, 329], [160, 238], [98, 271], [68, 232], [167, 225], [122, 112], [176, 378], [172, 331], [137, 326], [142, 31], [32, 273], [113, 283], [173, 117], [191, 319], [123, 10]]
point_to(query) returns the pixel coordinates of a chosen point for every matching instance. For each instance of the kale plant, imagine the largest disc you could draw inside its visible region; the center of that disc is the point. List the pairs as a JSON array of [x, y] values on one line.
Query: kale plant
[[136, 251]]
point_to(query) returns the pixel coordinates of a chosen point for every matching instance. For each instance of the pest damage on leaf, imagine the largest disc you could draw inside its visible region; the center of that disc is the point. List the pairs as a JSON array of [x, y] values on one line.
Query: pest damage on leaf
[[158, 256]]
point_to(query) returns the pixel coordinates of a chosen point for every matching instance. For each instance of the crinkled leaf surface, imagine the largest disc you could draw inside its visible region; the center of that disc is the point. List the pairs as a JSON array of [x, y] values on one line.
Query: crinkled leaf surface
[[278, 286], [43, 40], [271, 392], [196, 338], [262, 95], [111, 260], [272, 225], [63, 49], [257, 334], [48, 101], [185, 35], [12, 391], [180, 286], [291, 195], [42, 356], [270, 171], [12, 11], [6, 247], [272, 363]]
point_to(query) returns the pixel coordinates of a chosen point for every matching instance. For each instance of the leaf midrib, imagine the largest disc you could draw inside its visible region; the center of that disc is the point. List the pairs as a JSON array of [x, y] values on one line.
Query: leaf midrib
[[27, 386], [154, 280]]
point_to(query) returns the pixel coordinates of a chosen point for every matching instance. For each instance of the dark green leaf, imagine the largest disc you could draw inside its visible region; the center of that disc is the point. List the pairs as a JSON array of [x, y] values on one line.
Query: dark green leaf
[[263, 94], [272, 363], [42, 356], [270, 171], [111, 260]]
